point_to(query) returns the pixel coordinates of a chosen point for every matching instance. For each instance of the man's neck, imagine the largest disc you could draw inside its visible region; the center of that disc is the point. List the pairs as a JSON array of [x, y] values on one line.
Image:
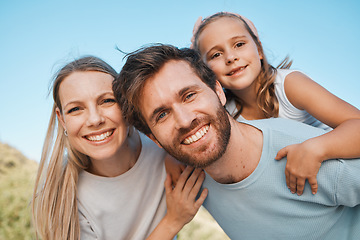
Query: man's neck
[[241, 157]]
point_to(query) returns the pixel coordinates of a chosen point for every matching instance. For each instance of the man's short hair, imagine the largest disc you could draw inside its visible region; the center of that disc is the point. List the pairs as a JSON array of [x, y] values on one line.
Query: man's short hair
[[144, 64]]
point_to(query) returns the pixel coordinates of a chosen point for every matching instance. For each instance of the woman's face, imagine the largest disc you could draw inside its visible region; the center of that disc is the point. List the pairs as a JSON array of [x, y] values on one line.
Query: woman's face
[[91, 116]]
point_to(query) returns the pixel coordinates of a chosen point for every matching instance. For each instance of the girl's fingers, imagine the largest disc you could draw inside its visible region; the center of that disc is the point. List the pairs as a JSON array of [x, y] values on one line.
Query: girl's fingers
[[300, 184], [292, 183], [313, 184]]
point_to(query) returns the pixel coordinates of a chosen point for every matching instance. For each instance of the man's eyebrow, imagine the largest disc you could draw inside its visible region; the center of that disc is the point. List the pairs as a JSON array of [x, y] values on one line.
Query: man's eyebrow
[[162, 107], [187, 88]]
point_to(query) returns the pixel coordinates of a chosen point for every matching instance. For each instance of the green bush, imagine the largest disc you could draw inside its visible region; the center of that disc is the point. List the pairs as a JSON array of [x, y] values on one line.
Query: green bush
[[17, 176]]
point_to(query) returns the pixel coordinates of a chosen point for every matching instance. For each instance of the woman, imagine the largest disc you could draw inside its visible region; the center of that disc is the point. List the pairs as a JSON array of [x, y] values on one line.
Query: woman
[[98, 177]]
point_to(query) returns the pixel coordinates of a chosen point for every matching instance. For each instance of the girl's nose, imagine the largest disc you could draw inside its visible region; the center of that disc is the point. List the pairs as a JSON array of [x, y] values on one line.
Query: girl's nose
[[231, 57]]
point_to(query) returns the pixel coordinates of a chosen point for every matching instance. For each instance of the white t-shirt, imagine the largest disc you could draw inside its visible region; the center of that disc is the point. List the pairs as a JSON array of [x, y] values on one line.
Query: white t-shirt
[[286, 109], [128, 206]]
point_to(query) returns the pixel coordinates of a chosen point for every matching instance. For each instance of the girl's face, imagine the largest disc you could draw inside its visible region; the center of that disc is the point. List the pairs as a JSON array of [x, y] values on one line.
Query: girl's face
[[91, 116], [229, 50]]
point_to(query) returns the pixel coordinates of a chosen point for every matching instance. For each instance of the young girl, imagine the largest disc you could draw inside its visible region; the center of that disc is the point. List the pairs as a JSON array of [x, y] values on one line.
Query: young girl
[[230, 45], [98, 177]]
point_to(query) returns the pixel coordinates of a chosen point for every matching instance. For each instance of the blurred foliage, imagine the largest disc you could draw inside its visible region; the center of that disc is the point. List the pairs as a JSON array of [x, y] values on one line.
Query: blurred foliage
[[202, 227], [17, 176]]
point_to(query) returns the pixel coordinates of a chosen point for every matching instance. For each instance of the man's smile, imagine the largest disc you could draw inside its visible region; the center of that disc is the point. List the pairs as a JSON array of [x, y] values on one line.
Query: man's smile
[[198, 135]]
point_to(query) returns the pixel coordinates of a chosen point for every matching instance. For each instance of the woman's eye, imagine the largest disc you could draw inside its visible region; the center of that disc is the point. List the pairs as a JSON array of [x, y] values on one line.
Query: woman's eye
[[73, 110], [109, 100]]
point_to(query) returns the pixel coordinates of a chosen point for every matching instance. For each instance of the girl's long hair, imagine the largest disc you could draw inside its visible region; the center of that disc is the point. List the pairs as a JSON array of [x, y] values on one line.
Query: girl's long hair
[[54, 204], [266, 98]]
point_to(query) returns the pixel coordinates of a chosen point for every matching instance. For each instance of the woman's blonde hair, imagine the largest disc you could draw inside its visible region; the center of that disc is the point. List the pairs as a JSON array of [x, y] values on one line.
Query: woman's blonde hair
[[54, 205], [266, 98]]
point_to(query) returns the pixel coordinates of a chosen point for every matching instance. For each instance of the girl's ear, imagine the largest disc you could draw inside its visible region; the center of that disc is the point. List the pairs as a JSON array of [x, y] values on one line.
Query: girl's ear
[[60, 117], [220, 92], [152, 137], [261, 55]]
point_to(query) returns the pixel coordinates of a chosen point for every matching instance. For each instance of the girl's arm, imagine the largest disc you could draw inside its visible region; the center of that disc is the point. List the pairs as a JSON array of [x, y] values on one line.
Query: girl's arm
[[182, 204], [343, 141]]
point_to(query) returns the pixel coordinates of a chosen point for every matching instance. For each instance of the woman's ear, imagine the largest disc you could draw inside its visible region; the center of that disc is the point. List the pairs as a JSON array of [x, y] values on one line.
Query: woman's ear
[[220, 92], [60, 117]]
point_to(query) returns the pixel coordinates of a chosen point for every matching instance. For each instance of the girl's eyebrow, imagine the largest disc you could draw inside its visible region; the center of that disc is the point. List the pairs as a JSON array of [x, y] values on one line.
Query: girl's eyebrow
[[231, 39]]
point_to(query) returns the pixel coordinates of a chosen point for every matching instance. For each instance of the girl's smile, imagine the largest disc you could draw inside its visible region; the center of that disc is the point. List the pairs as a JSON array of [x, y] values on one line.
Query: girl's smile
[[229, 50]]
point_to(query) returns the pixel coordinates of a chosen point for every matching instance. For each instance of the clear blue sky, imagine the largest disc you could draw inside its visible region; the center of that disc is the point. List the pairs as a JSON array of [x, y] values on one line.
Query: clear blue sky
[[38, 36]]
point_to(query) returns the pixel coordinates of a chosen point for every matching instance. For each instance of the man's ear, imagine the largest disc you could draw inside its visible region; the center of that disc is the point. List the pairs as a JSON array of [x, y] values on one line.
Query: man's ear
[[60, 117], [220, 92], [152, 137]]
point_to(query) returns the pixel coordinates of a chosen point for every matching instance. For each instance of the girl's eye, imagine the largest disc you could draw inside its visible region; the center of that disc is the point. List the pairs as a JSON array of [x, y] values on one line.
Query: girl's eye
[[73, 110], [240, 44], [215, 55]]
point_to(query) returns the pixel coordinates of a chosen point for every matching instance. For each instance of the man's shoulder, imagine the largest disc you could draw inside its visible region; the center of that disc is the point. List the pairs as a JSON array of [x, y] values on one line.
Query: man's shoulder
[[288, 126]]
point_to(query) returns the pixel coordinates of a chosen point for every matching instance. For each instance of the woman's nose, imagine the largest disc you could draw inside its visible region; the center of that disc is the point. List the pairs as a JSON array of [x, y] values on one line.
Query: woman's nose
[[95, 117]]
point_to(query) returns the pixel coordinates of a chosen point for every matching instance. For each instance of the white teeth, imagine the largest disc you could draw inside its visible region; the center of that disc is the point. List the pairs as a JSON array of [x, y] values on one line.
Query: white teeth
[[240, 69], [99, 137], [195, 137]]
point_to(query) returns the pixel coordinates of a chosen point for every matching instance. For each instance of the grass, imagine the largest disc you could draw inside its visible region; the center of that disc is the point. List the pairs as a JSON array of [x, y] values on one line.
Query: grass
[[17, 176]]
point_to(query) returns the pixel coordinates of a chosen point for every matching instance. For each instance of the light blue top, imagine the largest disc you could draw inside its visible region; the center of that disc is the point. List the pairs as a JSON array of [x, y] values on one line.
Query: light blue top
[[262, 207]]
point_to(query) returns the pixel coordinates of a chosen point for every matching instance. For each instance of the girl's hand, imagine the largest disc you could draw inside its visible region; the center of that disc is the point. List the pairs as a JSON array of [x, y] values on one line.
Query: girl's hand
[[181, 200], [303, 162], [174, 168]]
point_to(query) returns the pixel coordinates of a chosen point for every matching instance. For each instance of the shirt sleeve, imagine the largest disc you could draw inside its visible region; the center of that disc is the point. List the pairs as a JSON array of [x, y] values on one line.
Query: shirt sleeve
[[348, 186]]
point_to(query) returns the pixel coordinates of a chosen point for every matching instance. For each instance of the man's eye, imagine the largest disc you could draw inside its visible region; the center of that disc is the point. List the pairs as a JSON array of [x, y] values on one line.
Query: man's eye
[[190, 95], [73, 109], [161, 115]]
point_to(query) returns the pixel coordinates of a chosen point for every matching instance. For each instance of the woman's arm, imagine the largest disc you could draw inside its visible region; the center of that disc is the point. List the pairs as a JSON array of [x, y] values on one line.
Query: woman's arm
[[174, 168], [182, 204], [304, 159]]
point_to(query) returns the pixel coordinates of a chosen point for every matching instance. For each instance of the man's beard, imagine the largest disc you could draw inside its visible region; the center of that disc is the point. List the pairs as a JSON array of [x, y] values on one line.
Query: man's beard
[[204, 156]]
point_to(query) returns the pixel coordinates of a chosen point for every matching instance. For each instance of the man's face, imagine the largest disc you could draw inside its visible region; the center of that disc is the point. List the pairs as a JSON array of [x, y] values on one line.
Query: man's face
[[185, 116]]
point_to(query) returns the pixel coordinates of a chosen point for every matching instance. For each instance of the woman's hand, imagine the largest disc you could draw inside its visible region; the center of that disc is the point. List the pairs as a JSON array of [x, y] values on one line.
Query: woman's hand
[[174, 168], [181, 201]]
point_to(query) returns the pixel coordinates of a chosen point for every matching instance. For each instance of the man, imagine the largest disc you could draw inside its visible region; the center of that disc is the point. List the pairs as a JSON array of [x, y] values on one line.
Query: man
[[174, 98]]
